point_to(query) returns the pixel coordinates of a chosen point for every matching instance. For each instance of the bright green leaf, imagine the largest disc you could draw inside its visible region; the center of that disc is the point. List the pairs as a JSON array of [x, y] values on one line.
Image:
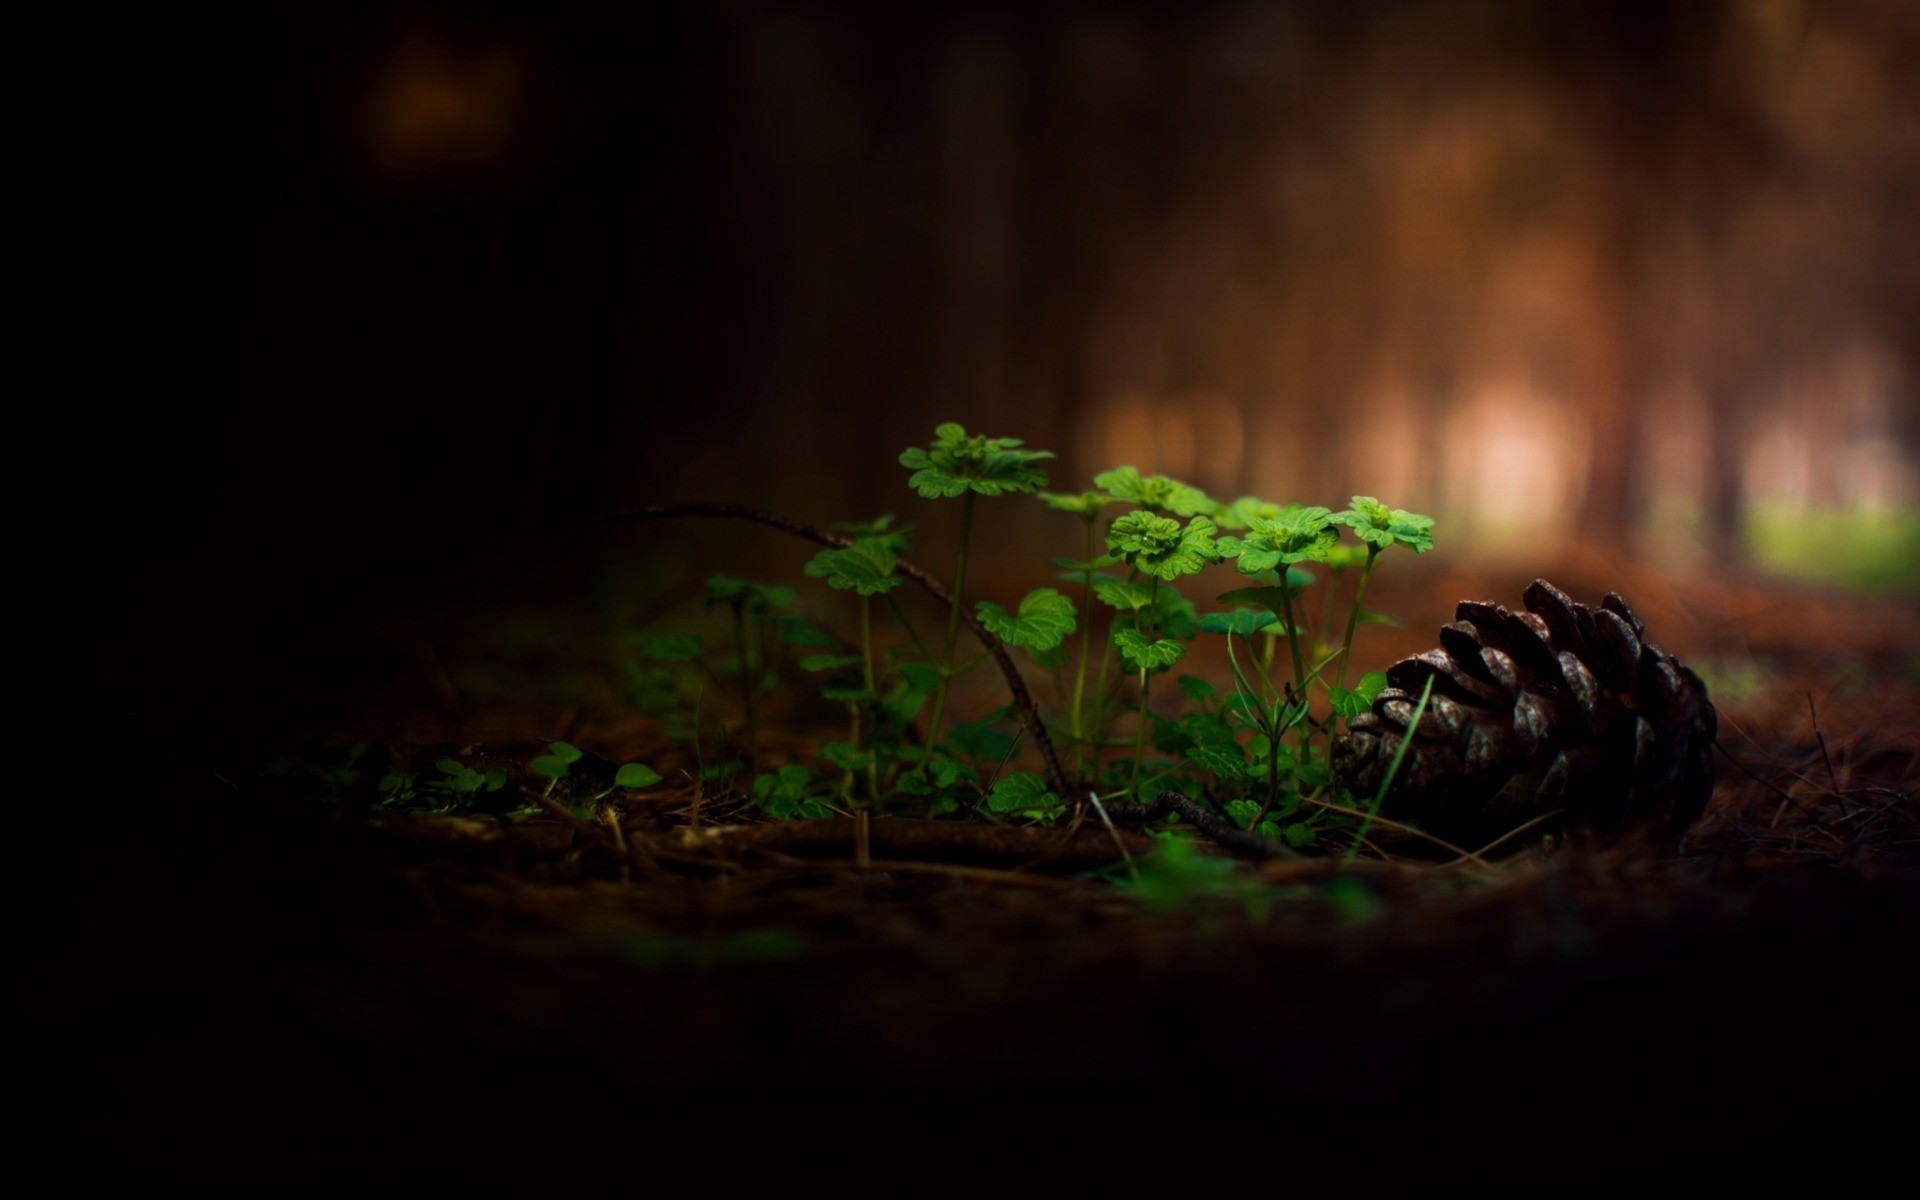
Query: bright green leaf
[[1158, 492], [636, 775], [865, 567], [1143, 655], [955, 464], [1045, 619], [1020, 792], [1243, 621]]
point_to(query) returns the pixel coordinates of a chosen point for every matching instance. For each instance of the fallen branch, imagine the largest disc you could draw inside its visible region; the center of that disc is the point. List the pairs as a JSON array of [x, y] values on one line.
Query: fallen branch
[[921, 842]]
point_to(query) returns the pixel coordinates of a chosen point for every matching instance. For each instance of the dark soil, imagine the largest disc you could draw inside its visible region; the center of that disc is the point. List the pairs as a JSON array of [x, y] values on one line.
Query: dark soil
[[246, 984]]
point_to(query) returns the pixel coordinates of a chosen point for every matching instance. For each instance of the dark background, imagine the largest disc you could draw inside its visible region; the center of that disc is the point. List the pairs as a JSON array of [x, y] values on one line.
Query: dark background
[[411, 291]]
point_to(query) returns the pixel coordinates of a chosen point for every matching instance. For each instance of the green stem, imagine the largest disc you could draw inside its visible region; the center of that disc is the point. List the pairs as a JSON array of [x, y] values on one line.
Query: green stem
[[1293, 637], [953, 624], [746, 680], [1273, 786], [1353, 616], [1140, 734], [866, 675], [1140, 737], [1086, 650], [1393, 769]]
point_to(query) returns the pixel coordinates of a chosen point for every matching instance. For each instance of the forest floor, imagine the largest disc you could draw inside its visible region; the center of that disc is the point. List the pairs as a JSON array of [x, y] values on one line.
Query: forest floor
[[249, 984]]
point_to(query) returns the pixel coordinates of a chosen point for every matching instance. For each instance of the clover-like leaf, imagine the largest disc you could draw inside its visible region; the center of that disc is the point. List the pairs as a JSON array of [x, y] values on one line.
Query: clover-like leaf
[[1242, 621], [846, 756], [636, 775], [1247, 509], [1351, 703], [1380, 526], [955, 464], [1296, 535], [1045, 619], [1021, 792], [1085, 505], [865, 567], [1158, 492], [1142, 654], [1125, 595], [1161, 547]]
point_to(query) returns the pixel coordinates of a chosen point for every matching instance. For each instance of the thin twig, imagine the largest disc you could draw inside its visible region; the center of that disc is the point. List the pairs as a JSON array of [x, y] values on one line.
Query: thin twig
[[1016, 684]]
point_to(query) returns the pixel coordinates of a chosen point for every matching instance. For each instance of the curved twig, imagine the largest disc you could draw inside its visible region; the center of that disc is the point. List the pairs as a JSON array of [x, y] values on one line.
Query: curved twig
[[1239, 842], [1022, 698]]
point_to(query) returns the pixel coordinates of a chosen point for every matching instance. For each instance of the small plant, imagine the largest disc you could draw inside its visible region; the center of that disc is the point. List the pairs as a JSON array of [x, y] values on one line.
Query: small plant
[[557, 766], [1250, 745]]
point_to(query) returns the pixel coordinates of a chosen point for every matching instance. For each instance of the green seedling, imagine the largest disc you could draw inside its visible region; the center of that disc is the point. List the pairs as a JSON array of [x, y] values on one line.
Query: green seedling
[[558, 762], [460, 785], [1247, 746], [866, 569], [787, 794], [758, 606], [967, 467]]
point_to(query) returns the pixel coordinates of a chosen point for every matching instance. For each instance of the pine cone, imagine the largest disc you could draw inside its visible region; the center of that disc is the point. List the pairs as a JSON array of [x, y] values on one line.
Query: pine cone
[[1562, 707]]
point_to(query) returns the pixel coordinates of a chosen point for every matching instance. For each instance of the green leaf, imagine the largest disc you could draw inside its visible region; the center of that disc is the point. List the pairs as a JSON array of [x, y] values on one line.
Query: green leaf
[[450, 766], [1197, 689], [1296, 535], [1371, 684], [636, 775], [865, 567], [846, 755], [756, 598], [1080, 569], [550, 765], [677, 647], [1158, 492], [956, 464], [1224, 759], [1161, 547], [1299, 835], [1021, 792], [1314, 774], [1367, 616], [1085, 505], [802, 634], [1143, 655], [1244, 511], [1380, 526], [829, 662], [1243, 621], [1125, 595], [980, 742], [564, 751], [1045, 619]]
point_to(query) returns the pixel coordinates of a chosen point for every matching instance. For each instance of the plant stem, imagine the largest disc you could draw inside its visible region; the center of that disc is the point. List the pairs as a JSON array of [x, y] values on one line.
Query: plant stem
[[1273, 786], [866, 667], [1353, 616], [1293, 636], [1140, 734], [1086, 649], [953, 624], [746, 681]]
